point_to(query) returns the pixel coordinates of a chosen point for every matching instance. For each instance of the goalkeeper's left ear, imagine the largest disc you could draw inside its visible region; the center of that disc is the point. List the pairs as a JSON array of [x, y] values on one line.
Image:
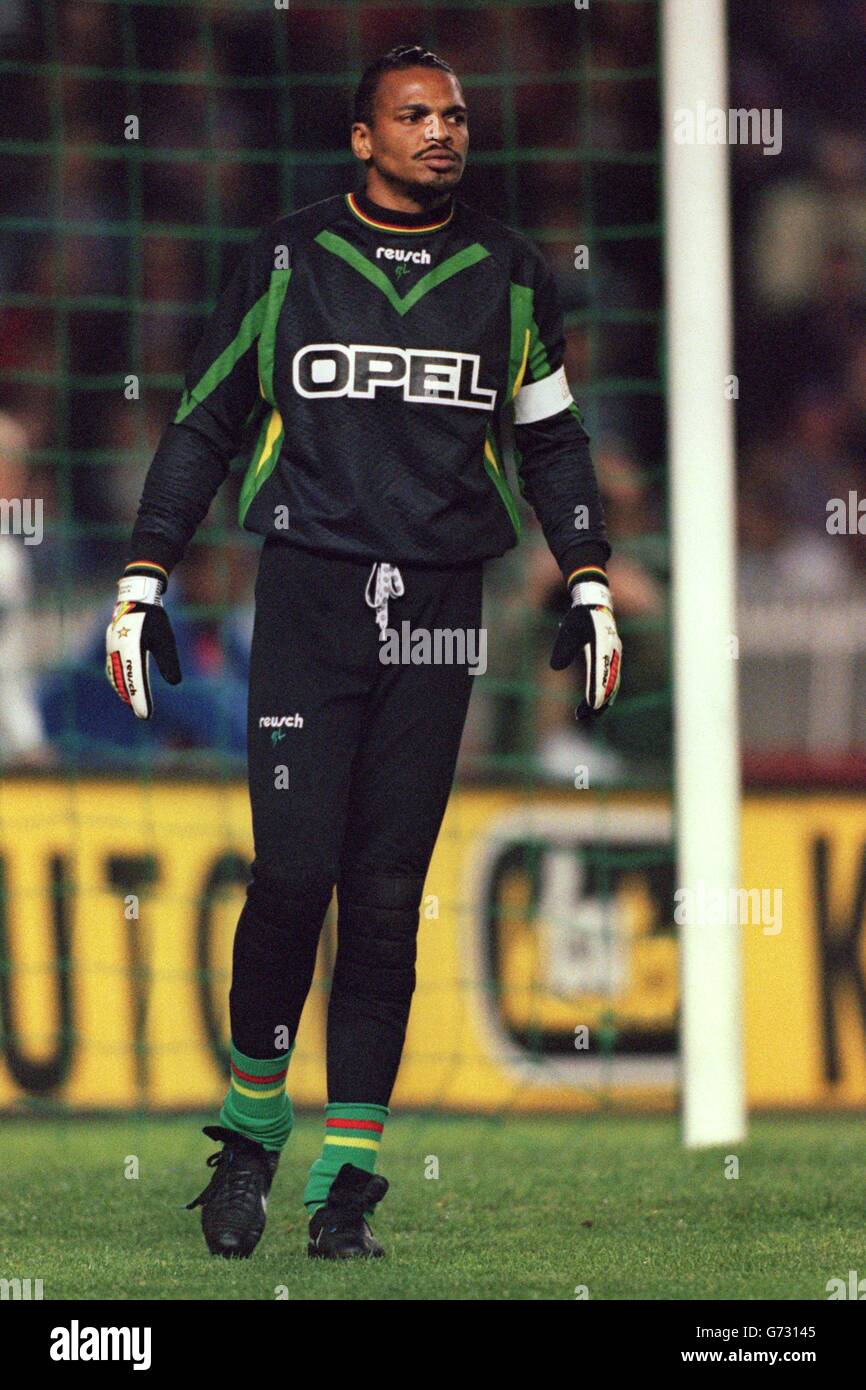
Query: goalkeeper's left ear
[[588, 633], [139, 625]]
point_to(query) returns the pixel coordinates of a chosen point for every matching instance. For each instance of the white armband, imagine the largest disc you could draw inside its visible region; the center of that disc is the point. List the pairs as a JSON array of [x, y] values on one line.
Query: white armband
[[538, 400]]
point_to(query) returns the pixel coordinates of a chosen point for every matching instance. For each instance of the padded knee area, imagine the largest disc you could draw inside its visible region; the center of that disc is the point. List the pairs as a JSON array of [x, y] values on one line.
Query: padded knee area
[[283, 901], [274, 956], [385, 892], [377, 933]]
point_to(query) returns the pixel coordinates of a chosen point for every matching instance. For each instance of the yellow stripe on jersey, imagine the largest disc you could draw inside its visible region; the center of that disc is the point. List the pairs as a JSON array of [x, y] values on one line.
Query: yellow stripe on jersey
[[518, 380], [275, 424]]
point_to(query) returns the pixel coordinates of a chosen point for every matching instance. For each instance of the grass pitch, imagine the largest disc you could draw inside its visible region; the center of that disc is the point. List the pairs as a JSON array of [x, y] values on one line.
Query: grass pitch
[[523, 1208]]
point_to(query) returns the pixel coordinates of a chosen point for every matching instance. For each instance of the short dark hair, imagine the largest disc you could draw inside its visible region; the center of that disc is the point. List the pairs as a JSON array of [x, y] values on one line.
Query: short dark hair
[[405, 56]]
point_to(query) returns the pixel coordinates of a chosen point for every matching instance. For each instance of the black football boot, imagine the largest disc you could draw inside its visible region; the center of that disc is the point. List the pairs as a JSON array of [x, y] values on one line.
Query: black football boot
[[339, 1230], [235, 1202]]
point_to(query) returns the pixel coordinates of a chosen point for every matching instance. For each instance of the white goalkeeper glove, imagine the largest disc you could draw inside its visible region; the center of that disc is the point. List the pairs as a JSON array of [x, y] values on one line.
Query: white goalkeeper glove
[[588, 632], [139, 625]]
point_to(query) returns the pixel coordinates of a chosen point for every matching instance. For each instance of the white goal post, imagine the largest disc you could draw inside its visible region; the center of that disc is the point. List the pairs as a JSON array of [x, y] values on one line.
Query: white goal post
[[703, 541]]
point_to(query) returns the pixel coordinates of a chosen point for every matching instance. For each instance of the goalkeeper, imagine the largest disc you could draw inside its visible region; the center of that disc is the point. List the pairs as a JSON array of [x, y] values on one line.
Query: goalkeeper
[[369, 342]]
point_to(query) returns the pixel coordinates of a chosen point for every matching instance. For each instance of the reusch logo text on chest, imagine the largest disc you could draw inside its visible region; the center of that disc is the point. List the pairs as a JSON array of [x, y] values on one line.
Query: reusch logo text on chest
[[400, 253]]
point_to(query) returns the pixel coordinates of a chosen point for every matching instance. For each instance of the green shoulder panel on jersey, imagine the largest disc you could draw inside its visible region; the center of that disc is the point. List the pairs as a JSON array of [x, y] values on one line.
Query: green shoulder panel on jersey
[[338, 246], [258, 322], [527, 352], [279, 283], [270, 439], [251, 326], [521, 336], [523, 355]]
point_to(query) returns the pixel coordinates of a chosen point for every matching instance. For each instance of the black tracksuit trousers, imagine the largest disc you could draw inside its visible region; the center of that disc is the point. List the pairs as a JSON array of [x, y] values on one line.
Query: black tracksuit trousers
[[350, 767]]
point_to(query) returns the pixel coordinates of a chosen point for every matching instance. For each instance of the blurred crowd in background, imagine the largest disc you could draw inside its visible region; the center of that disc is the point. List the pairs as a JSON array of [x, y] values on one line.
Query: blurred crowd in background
[[112, 249]]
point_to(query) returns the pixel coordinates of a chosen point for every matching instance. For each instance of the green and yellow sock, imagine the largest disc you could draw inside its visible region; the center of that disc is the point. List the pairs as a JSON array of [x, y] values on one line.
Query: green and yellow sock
[[352, 1135], [256, 1104]]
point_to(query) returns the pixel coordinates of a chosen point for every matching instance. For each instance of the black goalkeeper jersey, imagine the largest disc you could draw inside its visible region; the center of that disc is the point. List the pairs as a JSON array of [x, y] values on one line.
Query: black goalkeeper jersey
[[360, 359]]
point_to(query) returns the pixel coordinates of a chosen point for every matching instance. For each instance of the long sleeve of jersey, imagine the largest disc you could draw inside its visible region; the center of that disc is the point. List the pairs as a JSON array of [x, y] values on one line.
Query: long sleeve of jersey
[[554, 466], [221, 397]]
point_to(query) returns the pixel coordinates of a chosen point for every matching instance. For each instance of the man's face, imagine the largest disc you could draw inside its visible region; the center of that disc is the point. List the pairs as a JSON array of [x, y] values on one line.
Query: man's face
[[419, 137]]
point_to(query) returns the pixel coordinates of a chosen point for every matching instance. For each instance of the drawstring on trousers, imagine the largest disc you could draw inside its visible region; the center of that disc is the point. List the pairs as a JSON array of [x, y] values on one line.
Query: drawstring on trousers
[[385, 582]]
